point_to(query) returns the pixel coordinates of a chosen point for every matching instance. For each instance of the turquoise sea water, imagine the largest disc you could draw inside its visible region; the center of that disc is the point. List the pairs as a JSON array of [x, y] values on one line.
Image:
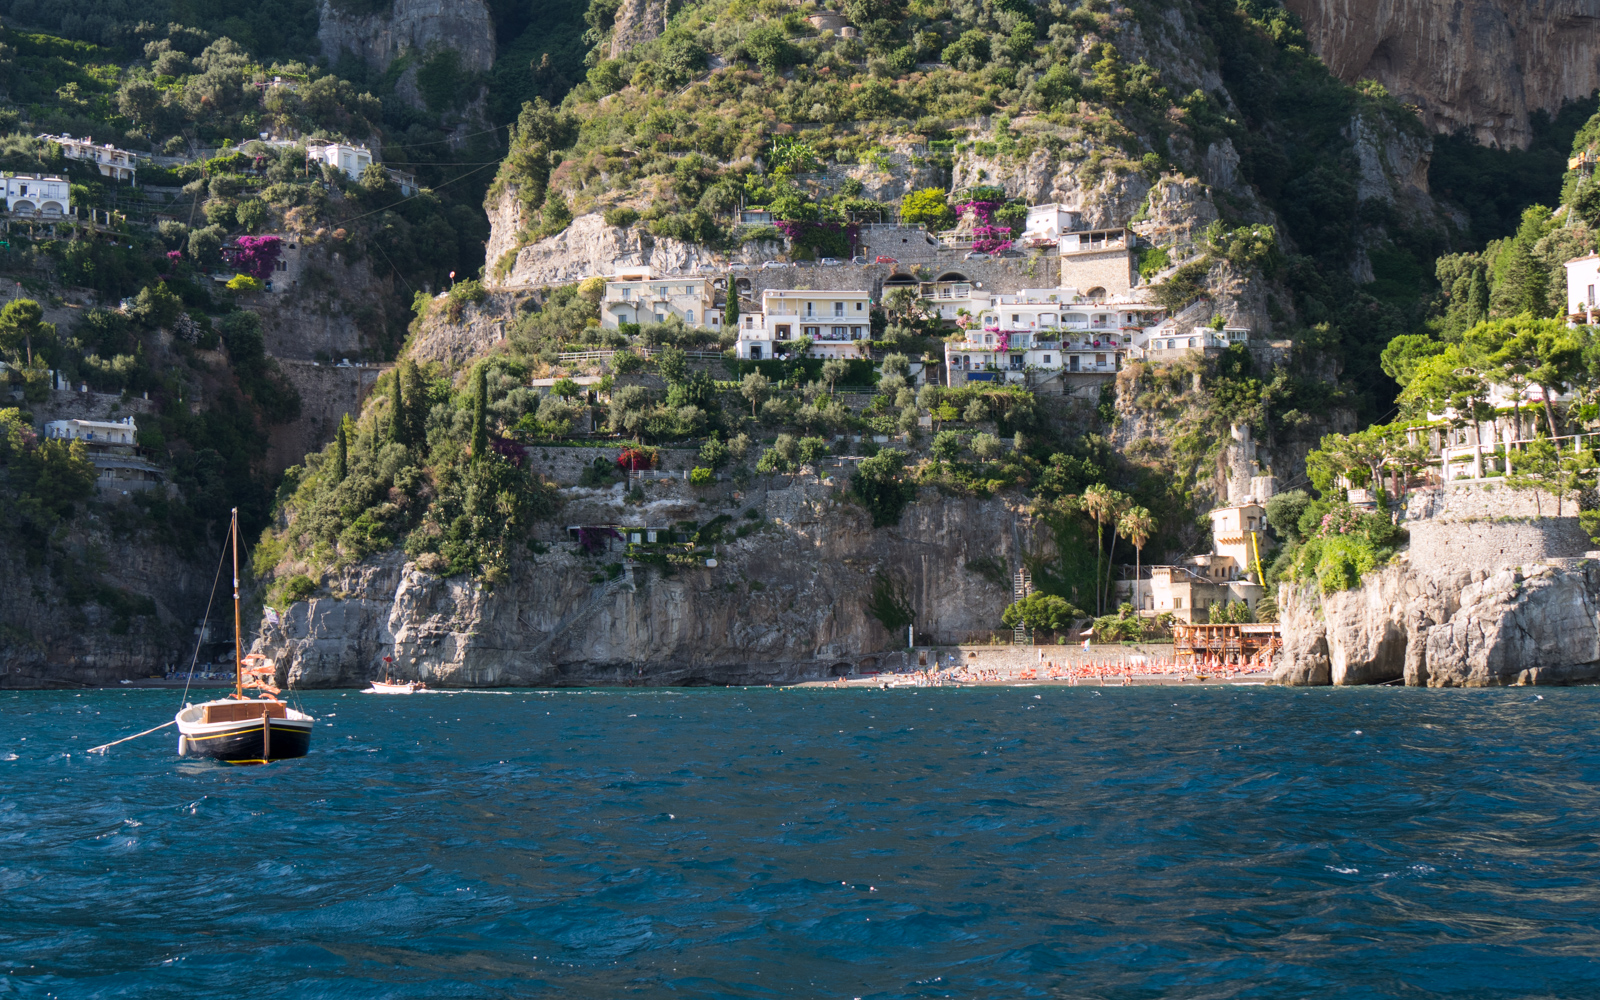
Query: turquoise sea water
[[1014, 842]]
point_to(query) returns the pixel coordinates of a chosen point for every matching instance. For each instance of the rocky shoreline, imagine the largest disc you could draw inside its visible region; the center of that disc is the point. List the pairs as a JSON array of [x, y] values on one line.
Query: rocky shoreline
[[1489, 593]]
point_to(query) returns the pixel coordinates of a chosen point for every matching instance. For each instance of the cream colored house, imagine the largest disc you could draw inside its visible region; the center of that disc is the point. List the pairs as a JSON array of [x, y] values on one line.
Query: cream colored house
[[639, 298], [833, 319], [1217, 578]]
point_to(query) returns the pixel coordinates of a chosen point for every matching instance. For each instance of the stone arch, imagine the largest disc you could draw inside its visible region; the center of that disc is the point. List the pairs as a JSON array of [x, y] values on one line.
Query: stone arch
[[51, 208], [868, 663], [1096, 294], [22, 205], [742, 285], [899, 280], [840, 669], [951, 276]]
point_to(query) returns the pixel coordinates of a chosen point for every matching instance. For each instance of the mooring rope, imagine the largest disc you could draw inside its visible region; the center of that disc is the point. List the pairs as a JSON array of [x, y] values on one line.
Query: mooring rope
[[107, 746]]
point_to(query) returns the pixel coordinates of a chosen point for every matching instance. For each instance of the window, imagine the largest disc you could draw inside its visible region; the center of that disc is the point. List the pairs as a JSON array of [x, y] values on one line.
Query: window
[[859, 307], [1099, 360], [688, 315], [1016, 318], [838, 308], [1047, 359], [1252, 523], [855, 333], [661, 317], [813, 331], [1591, 295], [1073, 363], [783, 331], [809, 310], [839, 333], [755, 353], [1177, 602]]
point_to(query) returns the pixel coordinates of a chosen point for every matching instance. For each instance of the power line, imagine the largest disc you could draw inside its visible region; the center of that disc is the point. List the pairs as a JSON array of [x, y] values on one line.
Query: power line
[[411, 196], [437, 142]]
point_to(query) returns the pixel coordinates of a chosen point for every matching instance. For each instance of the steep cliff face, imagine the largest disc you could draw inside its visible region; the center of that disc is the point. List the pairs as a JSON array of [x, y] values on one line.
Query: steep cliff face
[[420, 26], [637, 22], [1481, 65], [1472, 603], [78, 620], [785, 603], [589, 247]]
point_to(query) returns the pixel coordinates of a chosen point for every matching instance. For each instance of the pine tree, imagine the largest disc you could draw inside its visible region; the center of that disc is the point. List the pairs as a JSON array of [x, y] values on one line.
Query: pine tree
[[480, 406], [341, 451]]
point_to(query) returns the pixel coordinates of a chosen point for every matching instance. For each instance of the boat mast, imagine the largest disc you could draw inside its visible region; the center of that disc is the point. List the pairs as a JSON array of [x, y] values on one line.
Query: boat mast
[[238, 645]]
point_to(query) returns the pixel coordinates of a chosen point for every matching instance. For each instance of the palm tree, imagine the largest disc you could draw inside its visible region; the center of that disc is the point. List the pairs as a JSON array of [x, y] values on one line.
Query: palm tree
[[1120, 502], [1098, 502], [1136, 526]]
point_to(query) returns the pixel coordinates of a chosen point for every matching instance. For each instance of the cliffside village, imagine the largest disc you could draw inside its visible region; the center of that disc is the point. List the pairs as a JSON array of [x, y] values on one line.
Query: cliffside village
[[1006, 327]]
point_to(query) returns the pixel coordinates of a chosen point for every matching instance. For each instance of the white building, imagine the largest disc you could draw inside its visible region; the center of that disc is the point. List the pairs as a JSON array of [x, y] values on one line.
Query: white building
[[352, 160], [92, 431], [1049, 223], [118, 164], [1583, 277], [1168, 340], [639, 298], [834, 320], [1046, 329], [30, 194]]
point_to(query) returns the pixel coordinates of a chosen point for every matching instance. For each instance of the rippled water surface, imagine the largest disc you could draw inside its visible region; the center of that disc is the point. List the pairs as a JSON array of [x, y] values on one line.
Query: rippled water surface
[[1128, 843]]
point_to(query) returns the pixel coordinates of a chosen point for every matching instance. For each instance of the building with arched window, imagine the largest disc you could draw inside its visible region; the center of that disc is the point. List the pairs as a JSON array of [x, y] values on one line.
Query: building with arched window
[[36, 194]]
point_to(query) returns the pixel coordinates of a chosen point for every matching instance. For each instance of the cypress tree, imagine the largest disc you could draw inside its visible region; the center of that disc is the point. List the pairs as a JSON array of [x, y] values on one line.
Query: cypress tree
[[341, 452], [480, 406], [730, 315], [399, 427], [416, 404]]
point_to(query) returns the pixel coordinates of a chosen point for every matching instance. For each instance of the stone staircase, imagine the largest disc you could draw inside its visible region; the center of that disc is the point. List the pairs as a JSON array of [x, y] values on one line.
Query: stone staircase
[[1021, 587]]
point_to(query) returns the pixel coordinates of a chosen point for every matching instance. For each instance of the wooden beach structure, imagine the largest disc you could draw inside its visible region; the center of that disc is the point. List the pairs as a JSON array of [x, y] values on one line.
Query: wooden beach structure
[[1226, 645]]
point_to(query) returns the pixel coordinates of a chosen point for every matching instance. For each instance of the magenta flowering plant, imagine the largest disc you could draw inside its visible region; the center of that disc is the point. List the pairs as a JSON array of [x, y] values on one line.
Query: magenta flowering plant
[[254, 255]]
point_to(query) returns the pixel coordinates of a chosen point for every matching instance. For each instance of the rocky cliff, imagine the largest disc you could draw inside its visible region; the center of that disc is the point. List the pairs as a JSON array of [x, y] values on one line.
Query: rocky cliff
[[1483, 65], [589, 247], [1477, 600], [80, 618], [420, 26], [786, 602]]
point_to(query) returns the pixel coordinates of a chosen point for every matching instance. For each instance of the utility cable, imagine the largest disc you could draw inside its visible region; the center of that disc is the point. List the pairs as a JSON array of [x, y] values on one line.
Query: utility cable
[[411, 196]]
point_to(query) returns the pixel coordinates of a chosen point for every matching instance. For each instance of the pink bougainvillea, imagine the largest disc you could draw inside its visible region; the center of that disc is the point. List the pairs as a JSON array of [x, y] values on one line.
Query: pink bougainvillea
[[986, 236], [254, 255]]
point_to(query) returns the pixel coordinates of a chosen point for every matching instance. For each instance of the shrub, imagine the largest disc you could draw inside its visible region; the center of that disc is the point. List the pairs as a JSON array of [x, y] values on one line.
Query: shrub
[[702, 476], [296, 588], [880, 484], [1040, 611]]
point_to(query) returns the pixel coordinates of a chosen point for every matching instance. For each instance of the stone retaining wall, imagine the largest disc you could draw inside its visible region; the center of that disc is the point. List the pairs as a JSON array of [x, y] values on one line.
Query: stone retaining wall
[[1481, 501], [1491, 546]]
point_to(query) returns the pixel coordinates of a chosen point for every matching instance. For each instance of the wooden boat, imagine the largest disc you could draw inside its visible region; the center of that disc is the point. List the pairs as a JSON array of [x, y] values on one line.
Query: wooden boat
[[395, 687], [237, 729]]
